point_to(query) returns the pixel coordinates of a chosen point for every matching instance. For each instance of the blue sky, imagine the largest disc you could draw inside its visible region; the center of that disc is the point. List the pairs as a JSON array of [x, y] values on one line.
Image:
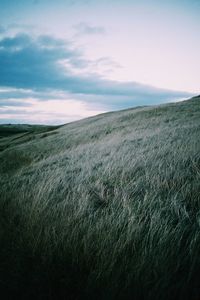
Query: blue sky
[[68, 59]]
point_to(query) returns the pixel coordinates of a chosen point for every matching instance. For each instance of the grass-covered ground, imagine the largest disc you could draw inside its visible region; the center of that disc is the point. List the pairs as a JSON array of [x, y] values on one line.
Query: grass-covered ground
[[103, 208], [11, 134]]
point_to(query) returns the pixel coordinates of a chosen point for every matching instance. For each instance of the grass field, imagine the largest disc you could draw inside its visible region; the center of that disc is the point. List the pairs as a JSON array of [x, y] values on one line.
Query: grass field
[[103, 208]]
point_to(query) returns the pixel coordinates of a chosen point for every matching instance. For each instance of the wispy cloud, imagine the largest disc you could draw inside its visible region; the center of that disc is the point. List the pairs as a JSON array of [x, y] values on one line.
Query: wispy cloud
[[83, 28], [39, 63], [38, 69], [46, 112]]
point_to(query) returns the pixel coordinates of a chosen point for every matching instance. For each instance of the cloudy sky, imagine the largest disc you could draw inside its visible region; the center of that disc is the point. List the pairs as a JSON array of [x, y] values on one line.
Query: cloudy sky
[[65, 60]]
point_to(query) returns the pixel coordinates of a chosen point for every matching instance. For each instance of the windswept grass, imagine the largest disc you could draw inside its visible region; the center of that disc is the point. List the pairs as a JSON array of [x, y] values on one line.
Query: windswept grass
[[104, 208]]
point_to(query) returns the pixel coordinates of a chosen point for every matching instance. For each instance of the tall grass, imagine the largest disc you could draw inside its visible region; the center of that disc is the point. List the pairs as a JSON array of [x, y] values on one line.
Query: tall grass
[[106, 208]]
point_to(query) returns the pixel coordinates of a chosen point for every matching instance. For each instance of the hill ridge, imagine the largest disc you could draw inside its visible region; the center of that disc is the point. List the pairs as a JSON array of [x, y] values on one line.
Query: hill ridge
[[105, 207]]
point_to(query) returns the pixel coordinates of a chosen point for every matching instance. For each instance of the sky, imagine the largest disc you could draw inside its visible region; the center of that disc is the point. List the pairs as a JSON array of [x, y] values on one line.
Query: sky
[[65, 60]]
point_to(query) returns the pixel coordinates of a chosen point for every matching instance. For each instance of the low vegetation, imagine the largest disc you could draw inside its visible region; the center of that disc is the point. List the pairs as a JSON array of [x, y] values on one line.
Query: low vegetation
[[103, 208]]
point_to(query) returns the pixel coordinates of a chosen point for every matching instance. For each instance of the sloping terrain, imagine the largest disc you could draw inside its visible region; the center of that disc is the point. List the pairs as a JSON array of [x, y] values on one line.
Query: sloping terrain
[[104, 208], [11, 135]]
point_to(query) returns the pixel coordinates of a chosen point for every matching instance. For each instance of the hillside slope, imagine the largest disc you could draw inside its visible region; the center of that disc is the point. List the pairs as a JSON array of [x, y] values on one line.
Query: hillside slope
[[107, 207], [11, 135]]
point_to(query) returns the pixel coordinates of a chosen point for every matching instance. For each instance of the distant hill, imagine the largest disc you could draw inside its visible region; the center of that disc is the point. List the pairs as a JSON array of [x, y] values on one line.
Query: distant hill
[[9, 133], [103, 208]]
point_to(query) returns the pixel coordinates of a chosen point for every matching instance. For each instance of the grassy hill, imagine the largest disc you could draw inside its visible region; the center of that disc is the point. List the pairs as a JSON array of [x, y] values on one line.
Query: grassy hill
[[104, 208], [11, 135]]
